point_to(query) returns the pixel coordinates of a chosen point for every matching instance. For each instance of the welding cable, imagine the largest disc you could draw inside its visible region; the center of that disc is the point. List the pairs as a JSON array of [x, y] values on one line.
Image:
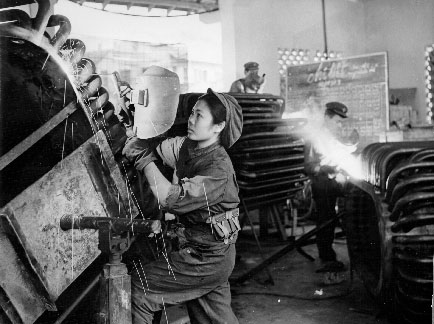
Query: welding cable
[[348, 291]]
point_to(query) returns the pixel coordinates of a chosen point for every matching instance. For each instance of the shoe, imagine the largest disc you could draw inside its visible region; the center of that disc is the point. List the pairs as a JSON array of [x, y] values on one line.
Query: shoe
[[331, 266], [337, 266], [333, 278]]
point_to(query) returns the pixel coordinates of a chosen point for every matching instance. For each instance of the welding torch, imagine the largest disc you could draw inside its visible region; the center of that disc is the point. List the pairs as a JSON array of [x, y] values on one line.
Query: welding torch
[[117, 225], [113, 233], [127, 94]]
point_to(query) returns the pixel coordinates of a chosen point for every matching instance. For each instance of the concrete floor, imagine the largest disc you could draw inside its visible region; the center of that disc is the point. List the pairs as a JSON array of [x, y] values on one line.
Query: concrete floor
[[298, 296]]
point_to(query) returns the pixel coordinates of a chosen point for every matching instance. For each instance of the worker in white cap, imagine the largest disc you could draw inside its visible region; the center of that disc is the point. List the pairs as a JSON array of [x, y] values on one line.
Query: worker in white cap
[[252, 81]]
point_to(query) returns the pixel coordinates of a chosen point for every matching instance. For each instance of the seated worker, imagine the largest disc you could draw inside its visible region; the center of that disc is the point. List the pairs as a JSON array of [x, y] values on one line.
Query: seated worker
[[326, 188], [203, 187], [251, 83]]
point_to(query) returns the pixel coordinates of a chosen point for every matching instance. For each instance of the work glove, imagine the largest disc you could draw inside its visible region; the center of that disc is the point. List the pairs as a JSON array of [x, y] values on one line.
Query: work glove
[[341, 178], [155, 227], [140, 152]]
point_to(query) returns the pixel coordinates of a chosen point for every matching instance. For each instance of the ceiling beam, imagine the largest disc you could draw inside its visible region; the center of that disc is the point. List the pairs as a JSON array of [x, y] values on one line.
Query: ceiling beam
[[173, 4], [105, 3]]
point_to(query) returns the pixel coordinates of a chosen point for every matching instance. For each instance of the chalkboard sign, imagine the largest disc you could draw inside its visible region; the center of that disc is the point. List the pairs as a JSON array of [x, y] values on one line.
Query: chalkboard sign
[[360, 82]]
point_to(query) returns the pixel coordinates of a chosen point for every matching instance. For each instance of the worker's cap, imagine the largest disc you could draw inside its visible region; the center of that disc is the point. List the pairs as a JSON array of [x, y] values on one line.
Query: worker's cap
[[234, 118], [336, 108], [251, 66]]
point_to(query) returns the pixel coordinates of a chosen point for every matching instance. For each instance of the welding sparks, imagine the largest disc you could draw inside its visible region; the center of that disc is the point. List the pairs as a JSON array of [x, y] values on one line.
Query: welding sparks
[[8, 22], [72, 135], [156, 189], [209, 212], [72, 248], [164, 306], [48, 56], [334, 153], [130, 190], [57, 259], [144, 274], [155, 129], [138, 273], [169, 267], [129, 203], [63, 145]]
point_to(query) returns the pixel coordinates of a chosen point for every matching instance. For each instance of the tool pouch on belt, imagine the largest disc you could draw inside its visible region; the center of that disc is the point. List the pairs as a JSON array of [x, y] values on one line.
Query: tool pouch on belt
[[225, 225]]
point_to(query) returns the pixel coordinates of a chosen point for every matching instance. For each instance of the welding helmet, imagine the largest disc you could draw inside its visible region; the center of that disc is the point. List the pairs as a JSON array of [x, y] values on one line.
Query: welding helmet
[[156, 104]]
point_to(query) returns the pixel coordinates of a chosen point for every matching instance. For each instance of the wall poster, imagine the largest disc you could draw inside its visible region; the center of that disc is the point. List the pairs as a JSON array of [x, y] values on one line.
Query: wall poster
[[359, 82]]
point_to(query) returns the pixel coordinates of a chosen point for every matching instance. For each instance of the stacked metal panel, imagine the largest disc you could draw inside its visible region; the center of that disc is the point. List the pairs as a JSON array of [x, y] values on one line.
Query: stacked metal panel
[[269, 156], [390, 227]]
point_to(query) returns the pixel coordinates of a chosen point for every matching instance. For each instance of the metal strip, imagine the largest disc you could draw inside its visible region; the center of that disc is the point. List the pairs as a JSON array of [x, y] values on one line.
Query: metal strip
[[33, 138]]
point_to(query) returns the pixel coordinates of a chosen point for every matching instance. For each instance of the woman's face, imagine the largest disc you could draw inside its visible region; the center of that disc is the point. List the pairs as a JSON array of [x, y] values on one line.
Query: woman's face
[[201, 127]]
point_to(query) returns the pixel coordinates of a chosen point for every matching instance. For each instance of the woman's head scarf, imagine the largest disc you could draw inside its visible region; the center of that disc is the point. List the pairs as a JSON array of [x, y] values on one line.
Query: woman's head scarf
[[234, 118]]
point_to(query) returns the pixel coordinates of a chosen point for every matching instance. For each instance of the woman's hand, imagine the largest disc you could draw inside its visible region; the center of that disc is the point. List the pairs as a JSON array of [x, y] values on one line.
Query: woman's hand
[[134, 147], [155, 227], [341, 178], [169, 217]]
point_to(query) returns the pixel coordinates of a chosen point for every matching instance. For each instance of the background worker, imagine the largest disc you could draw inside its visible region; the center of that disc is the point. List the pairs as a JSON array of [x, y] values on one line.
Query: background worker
[[252, 81], [203, 189], [326, 188]]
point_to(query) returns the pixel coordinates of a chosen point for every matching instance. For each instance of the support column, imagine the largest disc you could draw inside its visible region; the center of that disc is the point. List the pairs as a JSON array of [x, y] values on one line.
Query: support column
[[115, 295], [228, 43]]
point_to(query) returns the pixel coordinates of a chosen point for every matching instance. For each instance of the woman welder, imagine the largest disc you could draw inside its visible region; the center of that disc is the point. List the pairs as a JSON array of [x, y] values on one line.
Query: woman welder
[[203, 192]]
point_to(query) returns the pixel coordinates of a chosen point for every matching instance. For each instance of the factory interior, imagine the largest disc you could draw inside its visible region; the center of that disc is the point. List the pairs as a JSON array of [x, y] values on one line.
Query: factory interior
[[216, 161]]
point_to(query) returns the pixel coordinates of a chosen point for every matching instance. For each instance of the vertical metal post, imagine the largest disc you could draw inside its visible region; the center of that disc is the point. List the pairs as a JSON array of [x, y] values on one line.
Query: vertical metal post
[[324, 26], [115, 295], [115, 282]]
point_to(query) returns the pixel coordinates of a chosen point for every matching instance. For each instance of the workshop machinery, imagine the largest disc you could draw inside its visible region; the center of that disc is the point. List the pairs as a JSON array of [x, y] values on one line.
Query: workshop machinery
[[390, 227], [66, 194]]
